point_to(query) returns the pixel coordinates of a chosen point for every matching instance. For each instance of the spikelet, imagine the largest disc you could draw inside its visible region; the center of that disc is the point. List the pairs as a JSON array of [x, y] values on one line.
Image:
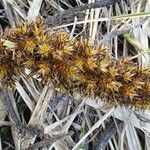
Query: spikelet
[[73, 65]]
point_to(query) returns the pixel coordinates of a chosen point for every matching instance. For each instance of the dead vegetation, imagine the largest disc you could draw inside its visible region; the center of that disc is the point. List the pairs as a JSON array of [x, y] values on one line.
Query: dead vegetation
[[37, 116]]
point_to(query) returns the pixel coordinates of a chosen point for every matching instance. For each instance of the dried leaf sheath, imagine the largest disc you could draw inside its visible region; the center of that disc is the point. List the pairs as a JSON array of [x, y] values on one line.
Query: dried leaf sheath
[[72, 65]]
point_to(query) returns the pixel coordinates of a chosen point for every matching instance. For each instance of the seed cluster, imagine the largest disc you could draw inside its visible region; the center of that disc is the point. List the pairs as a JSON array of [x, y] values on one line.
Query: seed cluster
[[72, 65]]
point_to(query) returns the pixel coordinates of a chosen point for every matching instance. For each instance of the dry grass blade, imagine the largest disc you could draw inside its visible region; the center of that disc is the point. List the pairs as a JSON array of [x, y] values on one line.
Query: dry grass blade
[[33, 12], [40, 106], [46, 142], [8, 12], [133, 140], [96, 125], [25, 96]]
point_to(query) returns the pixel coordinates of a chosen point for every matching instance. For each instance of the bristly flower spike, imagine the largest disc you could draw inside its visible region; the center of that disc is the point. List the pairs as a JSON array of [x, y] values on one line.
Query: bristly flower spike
[[73, 65]]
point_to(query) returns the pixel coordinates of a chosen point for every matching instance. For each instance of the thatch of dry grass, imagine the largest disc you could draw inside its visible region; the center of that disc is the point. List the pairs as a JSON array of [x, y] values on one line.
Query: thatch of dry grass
[[39, 106]]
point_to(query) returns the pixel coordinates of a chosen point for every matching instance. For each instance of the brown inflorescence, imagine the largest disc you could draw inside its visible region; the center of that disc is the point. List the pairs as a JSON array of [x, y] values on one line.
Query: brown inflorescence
[[72, 65]]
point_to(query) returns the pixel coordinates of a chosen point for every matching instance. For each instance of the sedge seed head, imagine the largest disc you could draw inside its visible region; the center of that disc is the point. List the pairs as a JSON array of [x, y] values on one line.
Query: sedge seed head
[[73, 65]]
